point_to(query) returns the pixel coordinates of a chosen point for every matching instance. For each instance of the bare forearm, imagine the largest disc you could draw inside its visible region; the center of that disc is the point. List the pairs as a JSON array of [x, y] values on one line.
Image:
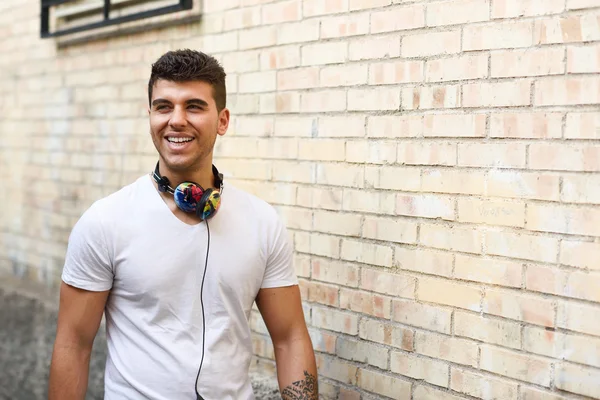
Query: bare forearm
[[297, 370], [69, 373]]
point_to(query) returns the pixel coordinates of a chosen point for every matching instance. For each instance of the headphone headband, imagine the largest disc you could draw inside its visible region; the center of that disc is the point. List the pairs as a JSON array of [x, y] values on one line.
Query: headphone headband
[[164, 183]]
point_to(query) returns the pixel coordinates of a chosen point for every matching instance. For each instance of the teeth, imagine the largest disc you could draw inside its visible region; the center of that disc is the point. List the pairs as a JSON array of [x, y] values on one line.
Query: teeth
[[179, 140]]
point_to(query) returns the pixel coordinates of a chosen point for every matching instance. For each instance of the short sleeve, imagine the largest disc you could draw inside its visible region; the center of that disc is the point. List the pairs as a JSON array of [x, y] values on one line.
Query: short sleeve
[[87, 262], [280, 258]]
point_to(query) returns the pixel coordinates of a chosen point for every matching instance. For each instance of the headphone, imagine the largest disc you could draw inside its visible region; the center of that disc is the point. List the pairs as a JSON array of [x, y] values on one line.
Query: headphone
[[193, 198]]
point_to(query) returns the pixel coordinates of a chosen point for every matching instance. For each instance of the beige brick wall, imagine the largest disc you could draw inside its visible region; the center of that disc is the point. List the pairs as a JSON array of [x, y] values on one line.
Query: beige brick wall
[[437, 163]]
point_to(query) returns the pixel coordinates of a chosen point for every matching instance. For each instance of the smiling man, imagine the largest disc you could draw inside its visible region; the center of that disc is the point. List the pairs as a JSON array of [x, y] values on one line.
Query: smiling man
[[176, 261]]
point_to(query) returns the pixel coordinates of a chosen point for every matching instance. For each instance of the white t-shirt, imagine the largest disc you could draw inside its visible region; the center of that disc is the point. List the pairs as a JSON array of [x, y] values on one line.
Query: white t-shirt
[[130, 242]]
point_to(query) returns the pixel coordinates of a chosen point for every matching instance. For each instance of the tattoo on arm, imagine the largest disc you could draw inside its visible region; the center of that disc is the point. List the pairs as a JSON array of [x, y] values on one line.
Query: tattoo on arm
[[305, 389]]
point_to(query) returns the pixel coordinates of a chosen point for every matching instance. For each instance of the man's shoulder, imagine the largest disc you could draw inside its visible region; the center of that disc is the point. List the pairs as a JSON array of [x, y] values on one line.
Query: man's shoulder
[[115, 203]]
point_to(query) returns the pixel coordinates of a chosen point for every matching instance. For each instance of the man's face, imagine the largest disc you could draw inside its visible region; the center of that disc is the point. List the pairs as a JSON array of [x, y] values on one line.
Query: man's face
[[184, 123]]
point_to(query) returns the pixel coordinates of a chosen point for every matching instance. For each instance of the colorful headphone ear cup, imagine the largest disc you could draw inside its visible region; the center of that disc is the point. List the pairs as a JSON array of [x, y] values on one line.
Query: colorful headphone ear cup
[[208, 204]]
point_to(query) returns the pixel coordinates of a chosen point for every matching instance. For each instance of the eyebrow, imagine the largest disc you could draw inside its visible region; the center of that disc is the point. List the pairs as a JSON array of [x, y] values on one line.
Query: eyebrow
[[190, 101]]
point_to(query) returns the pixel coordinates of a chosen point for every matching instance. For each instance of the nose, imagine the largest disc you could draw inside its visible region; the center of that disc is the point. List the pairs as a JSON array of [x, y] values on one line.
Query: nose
[[178, 118]]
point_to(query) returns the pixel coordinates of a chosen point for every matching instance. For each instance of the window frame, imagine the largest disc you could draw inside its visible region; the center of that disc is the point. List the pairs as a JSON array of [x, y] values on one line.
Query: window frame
[[107, 21]]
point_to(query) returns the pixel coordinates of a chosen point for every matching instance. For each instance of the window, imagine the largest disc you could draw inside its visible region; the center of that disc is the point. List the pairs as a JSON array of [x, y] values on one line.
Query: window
[[66, 17]]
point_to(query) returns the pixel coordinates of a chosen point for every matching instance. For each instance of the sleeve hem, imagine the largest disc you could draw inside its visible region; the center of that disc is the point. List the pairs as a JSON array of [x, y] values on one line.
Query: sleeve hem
[[86, 285]]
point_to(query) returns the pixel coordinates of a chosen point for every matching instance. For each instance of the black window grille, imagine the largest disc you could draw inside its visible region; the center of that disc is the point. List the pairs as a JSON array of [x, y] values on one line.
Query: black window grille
[[105, 16]]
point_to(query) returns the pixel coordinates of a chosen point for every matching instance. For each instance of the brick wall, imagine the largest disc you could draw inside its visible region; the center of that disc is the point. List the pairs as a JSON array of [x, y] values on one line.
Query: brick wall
[[437, 164]]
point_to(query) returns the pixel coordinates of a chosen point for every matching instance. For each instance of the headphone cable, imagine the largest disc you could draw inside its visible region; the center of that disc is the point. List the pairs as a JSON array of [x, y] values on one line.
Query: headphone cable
[[198, 396]]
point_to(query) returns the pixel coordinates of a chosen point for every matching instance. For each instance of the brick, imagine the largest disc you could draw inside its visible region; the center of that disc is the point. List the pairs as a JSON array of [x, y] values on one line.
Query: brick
[[322, 341], [299, 78], [581, 4], [442, 347], [296, 32], [323, 101], [346, 126], [538, 62], [424, 205], [322, 293], [335, 272], [454, 12], [324, 53], [487, 330], [453, 181], [583, 59], [321, 149], [426, 153], [584, 125], [345, 25], [385, 229], [431, 44], [552, 156], [388, 178], [522, 246], [449, 293], [537, 125], [421, 368], [564, 219], [431, 97], [393, 284], [287, 102], [515, 365], [496, 155], [577, 379], [311, 8], [383, 384], [482, 386], [529, 393], [427, 393], [386, 333], [241, 18], [492, 212], [363, 352], [578, 317], [325, 198], [386, 46], [427, 261], [343, 75], [335, 320], [336, 369], [373, 99], [409, 312], [454, 125], [457, 68], [368, 201], [498, 35], [285, 11], [516, 8], [398, 19], [380, 152], [529, 308], [248, 169], [336, 223], [365, 302], [485, 270], [257, 82], [394, 126], [291, 126], [340, 175], [567, 91], [280, 57], [383, 73], [302, 264], [454, 237], [580, 254], [575, 348], [364, 4], [368, 253], [568, 29], [526, 185], [325, 245], [254, 38], [497, 94]]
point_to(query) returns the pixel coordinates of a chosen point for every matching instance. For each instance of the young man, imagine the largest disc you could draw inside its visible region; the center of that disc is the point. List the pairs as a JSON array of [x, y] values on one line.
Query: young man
[[176, 260]]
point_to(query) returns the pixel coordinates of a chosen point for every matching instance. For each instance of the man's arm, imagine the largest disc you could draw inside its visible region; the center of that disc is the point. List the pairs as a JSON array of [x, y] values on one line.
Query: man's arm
[[79, 316], [281, 309]]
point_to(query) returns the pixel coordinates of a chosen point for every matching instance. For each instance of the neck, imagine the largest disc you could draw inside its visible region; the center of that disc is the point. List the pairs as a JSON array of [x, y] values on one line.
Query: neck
[[201, 175]]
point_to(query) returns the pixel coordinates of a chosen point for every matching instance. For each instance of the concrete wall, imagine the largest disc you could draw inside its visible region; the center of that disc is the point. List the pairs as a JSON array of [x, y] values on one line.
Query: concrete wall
[[437, 164]]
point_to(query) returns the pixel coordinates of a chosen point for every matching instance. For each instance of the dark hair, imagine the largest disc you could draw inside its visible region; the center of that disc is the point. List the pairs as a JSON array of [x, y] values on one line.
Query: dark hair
[[190, 65]]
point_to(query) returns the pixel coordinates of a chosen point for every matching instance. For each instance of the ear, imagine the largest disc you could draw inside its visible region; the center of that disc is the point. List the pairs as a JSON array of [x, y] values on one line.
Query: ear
[[223, 121]]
